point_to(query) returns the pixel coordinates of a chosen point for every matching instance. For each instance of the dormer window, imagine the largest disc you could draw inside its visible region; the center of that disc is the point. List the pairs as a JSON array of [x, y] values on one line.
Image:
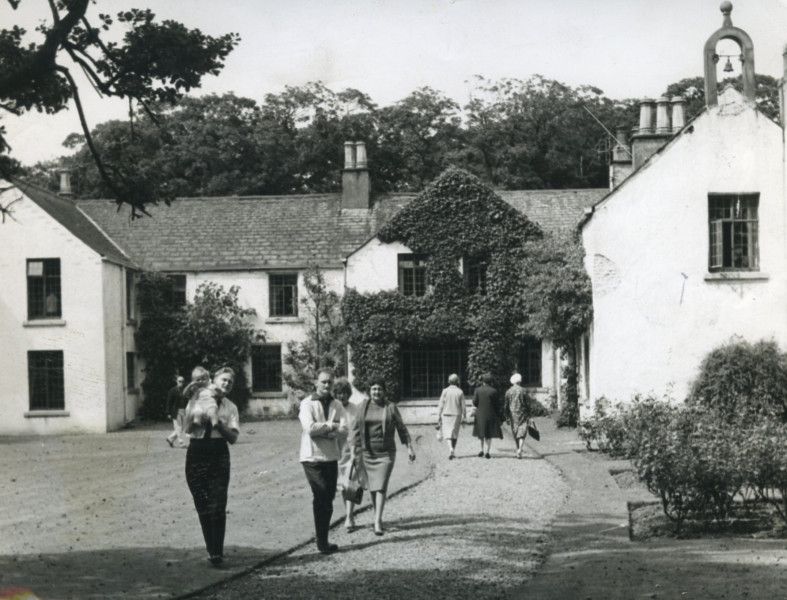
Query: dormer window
[[412, 274], [734, 232]]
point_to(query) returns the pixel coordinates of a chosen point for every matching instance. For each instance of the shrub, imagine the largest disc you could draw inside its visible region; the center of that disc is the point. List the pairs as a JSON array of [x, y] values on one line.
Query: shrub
[[740, 378], [762, 448]]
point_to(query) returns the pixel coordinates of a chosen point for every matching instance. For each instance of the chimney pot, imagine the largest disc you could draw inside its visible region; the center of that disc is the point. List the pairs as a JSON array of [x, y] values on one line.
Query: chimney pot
[[646, 116], [65, 183], [349, 155], [621, 152], [678, 113], [662, 116], [360, 155]]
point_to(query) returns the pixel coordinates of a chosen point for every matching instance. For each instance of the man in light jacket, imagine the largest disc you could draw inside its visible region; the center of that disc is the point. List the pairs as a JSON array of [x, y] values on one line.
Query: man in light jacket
[[322, 423]]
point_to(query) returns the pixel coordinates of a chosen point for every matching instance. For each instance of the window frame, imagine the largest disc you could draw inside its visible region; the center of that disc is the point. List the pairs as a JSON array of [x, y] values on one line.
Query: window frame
[[260, 383], [51, 283], [528, 365], [131, 371], [420, 267], [277, 295], [179, 294], [725, 224], [474, 270], [131, 313], [53, 382]]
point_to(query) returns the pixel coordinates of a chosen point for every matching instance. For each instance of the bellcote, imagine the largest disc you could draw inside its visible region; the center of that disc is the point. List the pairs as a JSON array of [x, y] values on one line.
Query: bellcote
[[740, 37]]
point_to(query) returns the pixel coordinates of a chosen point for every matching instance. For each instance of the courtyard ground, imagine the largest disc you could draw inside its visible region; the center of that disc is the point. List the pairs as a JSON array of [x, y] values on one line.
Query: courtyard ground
[[110, 517]]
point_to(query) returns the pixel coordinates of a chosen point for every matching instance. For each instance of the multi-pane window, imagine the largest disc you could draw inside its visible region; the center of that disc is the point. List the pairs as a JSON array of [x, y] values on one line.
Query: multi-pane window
[[475, 273], [412, 274], [266, 368], [426, 367], [131, 371], [178, 283], [43, 288], [734, 232], [130, 295], [45, 377], [284, 295], [529, 362]]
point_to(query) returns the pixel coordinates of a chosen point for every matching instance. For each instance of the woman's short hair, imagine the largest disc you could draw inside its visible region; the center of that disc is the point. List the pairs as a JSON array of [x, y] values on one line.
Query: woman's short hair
[[453, 379], [487, 378], [342, 386], [377, 380], [516, 378], [223, 370]]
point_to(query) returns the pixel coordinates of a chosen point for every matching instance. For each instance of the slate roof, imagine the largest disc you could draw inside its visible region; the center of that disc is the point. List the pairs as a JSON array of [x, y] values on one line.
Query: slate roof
[[268, 232], [64, 211]]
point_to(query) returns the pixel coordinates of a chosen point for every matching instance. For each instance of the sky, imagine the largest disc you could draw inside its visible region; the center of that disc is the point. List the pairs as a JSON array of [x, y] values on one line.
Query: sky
[[388, 48]]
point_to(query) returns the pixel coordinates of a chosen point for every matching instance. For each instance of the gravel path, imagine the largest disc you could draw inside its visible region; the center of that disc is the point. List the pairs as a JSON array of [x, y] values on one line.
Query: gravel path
[[475, 529]]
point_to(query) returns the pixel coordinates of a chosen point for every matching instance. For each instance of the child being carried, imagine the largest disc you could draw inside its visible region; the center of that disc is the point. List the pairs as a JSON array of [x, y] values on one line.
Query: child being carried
[[202, 397]]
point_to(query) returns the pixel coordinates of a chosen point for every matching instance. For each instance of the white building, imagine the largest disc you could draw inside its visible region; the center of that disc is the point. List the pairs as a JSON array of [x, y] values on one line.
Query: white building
[[689, 250]]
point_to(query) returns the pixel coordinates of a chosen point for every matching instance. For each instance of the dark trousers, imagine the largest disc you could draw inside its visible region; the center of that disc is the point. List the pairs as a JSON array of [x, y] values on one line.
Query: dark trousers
[[208, 476], [322, 479]]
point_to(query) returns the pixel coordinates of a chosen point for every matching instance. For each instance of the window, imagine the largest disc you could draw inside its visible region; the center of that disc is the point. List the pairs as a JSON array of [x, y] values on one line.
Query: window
[[412, 274], [284, 295], [266, 368], [426, 367], [45, 377], [529, 363], [131, 371], [734, 231], [475, 274], [130, 312], [43, 288], [178, 282]]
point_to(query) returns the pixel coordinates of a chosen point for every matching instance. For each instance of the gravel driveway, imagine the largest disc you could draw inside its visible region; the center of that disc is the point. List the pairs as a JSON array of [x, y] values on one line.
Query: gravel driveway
[[475, 529]]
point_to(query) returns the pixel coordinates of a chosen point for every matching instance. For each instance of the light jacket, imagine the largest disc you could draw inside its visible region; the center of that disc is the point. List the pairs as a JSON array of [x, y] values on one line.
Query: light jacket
[[319, 439], [452, 402]]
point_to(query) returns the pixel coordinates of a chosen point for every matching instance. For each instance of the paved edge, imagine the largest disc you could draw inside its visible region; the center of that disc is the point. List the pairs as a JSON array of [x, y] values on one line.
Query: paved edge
[[336, 522]]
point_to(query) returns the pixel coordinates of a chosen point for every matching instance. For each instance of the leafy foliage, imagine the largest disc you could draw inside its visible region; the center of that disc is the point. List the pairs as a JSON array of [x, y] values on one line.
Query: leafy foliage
[[152, 63], [741, 378], [326, 344], [213, 331], [472, 221]]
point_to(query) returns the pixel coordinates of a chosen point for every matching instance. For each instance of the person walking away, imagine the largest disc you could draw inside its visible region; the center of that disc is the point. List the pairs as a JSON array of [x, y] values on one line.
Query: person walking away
[[372, 440], [322, 424], [486, 400], [342, 391], [176, 412], [451, 412], [208, 459], [518, 412]]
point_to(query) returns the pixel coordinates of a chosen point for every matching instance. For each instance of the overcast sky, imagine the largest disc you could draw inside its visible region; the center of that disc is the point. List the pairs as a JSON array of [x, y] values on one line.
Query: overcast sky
[[387, 48]]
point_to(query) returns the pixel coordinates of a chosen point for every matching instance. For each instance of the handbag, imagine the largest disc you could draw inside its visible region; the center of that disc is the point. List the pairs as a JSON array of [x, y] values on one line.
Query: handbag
[[352, 490], [532, 430]]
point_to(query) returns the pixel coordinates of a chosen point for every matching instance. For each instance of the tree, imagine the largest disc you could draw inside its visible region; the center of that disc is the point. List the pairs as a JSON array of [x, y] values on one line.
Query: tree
[[155, 63], [213, 331], [326, 343]]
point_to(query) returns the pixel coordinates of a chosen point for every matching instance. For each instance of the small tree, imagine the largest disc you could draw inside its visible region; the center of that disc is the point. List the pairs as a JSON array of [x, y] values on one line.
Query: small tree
[[326, 343]]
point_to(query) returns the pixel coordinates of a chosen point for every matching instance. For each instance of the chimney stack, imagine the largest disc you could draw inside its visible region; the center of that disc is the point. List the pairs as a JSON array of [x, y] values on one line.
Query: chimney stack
[[647, 139], [65, 183], [678, 113], [355, 176], [620, 167]]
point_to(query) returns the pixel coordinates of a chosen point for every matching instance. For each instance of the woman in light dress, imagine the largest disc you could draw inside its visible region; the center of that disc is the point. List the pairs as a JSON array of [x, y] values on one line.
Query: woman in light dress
[[451, 412], [342, 390]]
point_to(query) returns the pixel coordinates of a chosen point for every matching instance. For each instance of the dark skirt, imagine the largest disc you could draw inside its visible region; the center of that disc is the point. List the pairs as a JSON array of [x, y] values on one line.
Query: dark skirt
[[208, 477], [487, 425]]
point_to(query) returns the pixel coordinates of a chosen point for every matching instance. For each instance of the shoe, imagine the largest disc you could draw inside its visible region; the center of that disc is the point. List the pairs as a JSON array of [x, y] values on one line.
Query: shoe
[[487, 455], [481, 454], [451, 456], [350, 527], [379, 532], [327, 548], [217, 560], [171, 444]]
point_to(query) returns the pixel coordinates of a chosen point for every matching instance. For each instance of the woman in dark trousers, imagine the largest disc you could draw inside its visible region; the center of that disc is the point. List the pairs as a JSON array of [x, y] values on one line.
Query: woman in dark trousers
[[208, 461], [486, 400]]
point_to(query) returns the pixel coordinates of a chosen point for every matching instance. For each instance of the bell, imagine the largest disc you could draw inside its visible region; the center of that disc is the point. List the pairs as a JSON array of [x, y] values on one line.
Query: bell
[[728, 66]]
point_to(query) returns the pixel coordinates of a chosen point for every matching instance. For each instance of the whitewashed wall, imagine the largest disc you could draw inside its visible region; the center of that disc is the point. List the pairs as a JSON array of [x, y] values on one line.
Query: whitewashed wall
[[80, 334], [374, 266], [657, 310]]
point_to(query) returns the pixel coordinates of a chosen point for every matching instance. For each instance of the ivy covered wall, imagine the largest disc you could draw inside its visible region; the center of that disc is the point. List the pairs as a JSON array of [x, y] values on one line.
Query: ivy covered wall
[[456, 216]]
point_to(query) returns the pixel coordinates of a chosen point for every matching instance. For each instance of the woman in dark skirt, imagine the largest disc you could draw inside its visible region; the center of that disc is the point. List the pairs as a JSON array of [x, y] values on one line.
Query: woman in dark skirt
[[486, 400], [372, 438], [208, 461]]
